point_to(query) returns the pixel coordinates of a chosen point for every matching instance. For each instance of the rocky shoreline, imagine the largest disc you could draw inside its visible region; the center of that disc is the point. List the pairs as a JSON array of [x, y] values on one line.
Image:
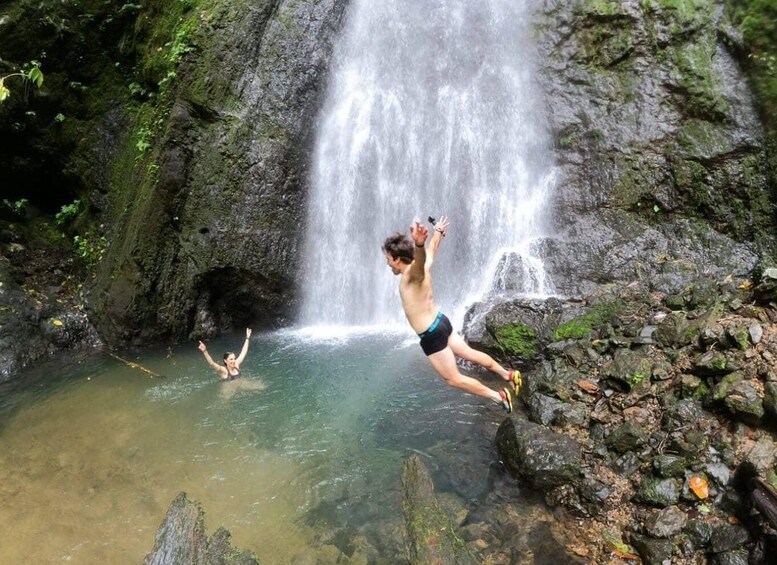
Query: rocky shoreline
[[641, 407]]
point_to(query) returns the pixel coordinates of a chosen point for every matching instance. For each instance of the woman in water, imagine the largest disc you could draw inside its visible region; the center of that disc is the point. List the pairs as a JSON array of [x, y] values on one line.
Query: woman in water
[[230, 370]]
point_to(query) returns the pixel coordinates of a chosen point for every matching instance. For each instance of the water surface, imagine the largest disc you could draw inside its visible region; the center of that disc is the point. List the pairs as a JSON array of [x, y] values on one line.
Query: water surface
[[301, 455]]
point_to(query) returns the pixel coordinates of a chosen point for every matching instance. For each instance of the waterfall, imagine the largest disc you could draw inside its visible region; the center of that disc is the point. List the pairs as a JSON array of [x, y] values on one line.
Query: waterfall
[[431, 110]]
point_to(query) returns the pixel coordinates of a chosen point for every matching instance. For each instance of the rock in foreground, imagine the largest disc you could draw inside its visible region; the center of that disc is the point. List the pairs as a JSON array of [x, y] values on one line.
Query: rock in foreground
[[182, 540], [431, 535]]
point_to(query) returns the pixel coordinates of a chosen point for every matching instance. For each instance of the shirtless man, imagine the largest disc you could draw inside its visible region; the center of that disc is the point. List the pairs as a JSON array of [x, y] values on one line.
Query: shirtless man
[[231, 368], [412, 260]]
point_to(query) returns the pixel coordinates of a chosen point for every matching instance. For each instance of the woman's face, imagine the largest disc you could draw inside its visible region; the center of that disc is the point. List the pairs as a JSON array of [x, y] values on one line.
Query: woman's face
[[230, 360]]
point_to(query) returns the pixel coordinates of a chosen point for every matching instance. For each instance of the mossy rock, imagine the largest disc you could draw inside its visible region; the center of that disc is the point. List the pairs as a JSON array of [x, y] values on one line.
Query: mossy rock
[[517, 340], [697, 82], [658, 492], [590, 322], [431, 534]]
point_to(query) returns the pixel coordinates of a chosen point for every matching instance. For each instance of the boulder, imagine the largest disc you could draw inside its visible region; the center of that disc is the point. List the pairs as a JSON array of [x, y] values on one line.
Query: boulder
[[765, 292], [543, 458]]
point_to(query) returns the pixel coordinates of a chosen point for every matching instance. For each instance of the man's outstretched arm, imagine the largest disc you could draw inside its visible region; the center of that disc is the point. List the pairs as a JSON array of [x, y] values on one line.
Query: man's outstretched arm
[[439, 232], [418, 233]]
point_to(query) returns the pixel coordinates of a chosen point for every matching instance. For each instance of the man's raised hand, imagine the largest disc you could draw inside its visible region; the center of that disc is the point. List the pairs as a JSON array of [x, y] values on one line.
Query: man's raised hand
[[419, 233], [441, 225]]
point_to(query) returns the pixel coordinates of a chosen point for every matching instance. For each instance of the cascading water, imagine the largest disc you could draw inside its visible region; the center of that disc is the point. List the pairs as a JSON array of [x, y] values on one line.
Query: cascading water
[[430, 111]]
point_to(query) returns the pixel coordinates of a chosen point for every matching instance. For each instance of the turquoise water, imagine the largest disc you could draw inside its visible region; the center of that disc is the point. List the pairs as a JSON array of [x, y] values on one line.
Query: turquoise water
[[300, 458]]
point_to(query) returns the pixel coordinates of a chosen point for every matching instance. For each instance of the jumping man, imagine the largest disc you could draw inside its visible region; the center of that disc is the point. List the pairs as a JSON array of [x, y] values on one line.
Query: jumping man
[[412, 260]]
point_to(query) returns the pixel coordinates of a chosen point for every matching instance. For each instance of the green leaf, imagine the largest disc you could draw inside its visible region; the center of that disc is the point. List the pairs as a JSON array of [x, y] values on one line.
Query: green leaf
[[4, 92], [656, 209], [36, 76]]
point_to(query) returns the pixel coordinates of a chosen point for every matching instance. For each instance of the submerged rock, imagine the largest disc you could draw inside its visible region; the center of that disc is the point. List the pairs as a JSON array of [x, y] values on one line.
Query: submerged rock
[[431, 534]]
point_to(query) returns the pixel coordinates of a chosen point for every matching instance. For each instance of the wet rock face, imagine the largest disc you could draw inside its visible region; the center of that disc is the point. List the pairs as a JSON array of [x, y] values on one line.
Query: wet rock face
[[663, 172], [34, 325], [209, 236]]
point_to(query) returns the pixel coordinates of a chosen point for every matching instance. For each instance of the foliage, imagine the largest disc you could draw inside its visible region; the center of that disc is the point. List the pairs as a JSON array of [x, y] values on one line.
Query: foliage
[[68, 213], [90, 248], [32, 75], [17, 206], [635, 379]]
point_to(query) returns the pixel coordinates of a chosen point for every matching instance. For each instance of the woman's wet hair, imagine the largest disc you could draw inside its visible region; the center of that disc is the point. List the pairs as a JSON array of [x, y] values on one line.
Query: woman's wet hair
[[399, 246]]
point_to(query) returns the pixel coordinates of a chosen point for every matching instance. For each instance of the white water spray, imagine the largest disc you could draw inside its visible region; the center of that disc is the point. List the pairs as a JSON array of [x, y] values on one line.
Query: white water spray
[[431, 110]]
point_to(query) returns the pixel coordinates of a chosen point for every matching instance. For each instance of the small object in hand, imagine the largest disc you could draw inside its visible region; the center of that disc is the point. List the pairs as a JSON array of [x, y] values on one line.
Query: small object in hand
[[433, 221]]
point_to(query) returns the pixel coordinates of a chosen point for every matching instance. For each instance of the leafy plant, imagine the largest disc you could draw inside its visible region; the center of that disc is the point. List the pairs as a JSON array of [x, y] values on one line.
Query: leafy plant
[[68, 213], [136, 89], [17, 206], [144, 139], [33, 75], [635, 379], [90, 249]]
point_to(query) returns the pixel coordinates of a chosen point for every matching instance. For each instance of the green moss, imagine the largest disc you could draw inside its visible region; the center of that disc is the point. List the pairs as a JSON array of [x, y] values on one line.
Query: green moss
[[517, 339], [700, 138], [598, 7], [698, 81], [701, 392], [604, 44], [686, 11], [637, 177], [690, 180], [582, 327], [573, 329]]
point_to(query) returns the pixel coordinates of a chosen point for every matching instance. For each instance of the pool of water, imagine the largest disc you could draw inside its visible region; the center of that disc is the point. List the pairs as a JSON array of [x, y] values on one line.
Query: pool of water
[[303, 453]]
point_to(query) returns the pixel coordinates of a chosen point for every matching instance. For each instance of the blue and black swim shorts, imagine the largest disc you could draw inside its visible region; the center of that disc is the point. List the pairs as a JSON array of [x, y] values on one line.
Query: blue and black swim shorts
[[435, 338]]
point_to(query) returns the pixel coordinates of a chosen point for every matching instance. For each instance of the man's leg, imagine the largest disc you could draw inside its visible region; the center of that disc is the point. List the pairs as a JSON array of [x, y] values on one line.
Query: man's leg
[[460, 348], [444, 362]]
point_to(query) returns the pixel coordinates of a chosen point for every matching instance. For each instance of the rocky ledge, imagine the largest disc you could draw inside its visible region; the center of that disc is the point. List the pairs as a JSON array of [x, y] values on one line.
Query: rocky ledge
[[641, 410]]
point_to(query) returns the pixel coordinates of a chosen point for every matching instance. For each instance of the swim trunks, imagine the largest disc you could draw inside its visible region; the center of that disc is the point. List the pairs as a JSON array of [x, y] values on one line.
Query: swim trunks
[[436, 337]]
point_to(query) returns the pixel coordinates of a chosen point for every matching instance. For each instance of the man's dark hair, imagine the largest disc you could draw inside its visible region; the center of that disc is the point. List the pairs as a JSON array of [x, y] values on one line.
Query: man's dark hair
[[399, 246]]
